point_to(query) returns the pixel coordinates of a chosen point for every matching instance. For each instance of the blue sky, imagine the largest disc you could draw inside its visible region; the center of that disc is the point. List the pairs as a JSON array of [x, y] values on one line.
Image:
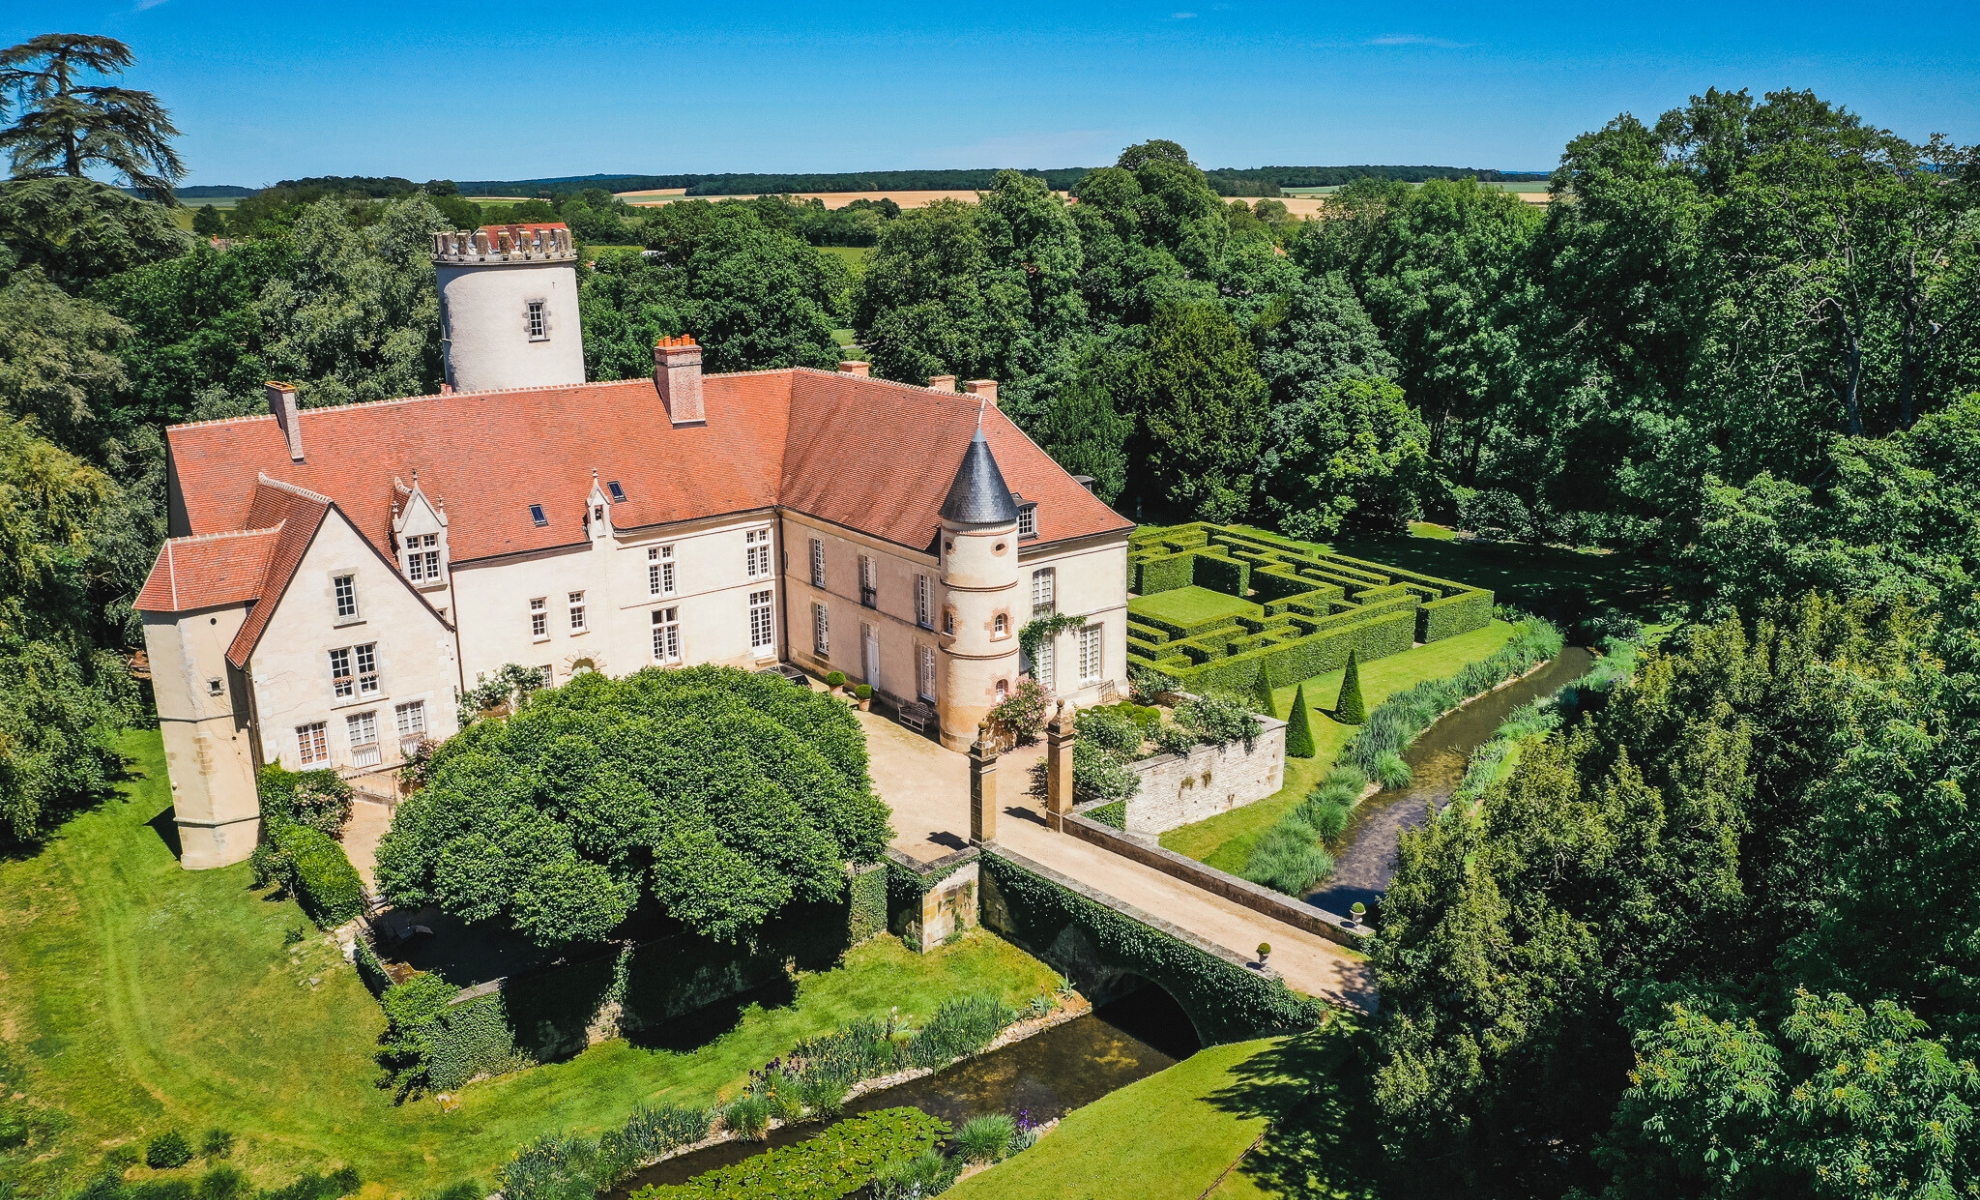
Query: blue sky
[[272, 90]]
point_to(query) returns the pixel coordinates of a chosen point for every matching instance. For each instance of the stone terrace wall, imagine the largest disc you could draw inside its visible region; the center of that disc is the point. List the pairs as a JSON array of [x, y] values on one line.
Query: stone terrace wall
[[1180, 789]]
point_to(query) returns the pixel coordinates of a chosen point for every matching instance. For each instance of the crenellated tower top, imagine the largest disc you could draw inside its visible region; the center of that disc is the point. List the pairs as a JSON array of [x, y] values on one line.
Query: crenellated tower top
[[548, 241]]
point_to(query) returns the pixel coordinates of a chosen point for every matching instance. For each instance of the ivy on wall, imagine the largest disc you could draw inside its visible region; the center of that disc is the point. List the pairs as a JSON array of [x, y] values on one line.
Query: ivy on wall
[[1227, 1002]]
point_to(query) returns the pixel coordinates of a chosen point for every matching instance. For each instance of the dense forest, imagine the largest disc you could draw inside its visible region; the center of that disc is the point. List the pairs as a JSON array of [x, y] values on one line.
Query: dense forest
[[1720, 937]]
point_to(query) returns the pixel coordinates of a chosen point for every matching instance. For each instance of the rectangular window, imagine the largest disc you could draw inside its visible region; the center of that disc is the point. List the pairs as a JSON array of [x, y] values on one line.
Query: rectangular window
[[314, 742], [1042, 668], [549, 673], [537, 515], [342, 684], [346, 589], [869, 582], [667, 635], [577, 612], [927, 671], [1090, 666], [949, 621], [817, 562], [367, 669], [1042, 589], [821, 631], [363, 728], [422, 560], [762, 625], [660, 571], [412, 727], [924, 602], [618, 492], [539, 618], [539, 322], [1027, 521], [757, 545]]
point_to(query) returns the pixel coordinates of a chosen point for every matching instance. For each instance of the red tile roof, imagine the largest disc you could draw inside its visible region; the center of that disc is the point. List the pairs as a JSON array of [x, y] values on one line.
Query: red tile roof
[[298, 514], [864, 453], [207, 570]]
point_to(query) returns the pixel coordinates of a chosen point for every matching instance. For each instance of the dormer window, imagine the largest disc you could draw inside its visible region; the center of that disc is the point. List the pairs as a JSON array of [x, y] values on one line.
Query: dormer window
[[536, 514], [423, 558], [1028, 520], [618, 493]]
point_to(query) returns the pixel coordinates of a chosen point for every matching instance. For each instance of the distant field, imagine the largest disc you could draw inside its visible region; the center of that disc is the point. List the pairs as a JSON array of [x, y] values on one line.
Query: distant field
[[853, 256], [906, 199]]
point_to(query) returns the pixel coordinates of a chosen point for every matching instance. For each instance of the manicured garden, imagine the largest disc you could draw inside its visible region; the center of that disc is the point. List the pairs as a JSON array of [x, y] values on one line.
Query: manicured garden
[[1225, 841], [141, 998]]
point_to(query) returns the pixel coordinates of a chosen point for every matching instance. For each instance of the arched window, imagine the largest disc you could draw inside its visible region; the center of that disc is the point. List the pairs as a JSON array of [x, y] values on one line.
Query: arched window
[[1001, 626], [1003, 689]]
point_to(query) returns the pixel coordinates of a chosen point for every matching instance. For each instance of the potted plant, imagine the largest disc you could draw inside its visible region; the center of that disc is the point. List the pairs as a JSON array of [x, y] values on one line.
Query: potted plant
[[835, 681], [1264, 952], [864, 694], [1357, 912]]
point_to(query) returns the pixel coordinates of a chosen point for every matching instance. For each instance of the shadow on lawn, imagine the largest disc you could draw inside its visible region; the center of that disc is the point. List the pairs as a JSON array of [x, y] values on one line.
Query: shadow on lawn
[[1562, 585], [1315, 1089]]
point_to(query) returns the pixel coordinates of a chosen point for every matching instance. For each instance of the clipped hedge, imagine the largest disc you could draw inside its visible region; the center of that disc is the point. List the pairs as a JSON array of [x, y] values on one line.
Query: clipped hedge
[[1453, 615], [1114, 814], [1316, 654], [843, 1159], [315, 871], [1225, 1001]]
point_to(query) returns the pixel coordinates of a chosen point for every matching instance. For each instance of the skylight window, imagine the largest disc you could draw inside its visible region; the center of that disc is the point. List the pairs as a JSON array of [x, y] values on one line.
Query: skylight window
[[618, 493], [536, 514]]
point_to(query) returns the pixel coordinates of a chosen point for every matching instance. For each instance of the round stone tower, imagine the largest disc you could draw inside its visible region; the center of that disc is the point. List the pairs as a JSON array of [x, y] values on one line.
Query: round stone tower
[[509, 307], [980, 575]]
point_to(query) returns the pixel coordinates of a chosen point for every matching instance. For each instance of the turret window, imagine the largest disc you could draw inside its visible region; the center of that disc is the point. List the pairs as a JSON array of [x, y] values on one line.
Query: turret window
[[1000, 626], [539, 322]]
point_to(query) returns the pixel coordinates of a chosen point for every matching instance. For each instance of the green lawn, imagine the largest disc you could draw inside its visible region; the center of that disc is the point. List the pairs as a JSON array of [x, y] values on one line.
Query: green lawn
[[137, 997], [1176, 1134], [1224, 841], [1164, 1136], [1187, 605]]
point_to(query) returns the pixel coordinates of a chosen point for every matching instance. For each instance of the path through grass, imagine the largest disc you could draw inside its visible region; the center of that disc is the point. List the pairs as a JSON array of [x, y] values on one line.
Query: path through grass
[[1224, 841], [137, 997]]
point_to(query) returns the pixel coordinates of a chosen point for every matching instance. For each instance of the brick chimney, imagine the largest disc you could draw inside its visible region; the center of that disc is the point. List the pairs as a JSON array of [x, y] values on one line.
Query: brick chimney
[[942, 383], [986, 389], [855, 367], [282, 402], [677, 375]]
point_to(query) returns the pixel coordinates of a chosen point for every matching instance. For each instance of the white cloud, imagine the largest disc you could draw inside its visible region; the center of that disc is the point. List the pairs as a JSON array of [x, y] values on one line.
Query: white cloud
[[1413, 39]]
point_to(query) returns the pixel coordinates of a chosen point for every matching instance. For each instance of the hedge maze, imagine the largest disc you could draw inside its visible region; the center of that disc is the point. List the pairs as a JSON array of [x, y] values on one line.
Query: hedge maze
[[1313, 607]]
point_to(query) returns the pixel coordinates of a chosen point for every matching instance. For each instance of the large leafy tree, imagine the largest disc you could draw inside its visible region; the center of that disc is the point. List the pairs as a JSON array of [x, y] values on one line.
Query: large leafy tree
[[65, 126], [722, 795], [1718, 942], [1201, 410], [356, 317], [754, 296], [79, 231], [1353, 455]]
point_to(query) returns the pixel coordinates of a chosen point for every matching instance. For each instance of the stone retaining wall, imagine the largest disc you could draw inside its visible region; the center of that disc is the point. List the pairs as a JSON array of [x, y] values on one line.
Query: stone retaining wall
[[1182, 789]]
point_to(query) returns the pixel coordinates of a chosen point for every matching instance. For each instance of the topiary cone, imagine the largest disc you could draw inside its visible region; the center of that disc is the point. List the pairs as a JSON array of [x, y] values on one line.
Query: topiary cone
[[1266, 704], [1349, 710], [1299, 734]]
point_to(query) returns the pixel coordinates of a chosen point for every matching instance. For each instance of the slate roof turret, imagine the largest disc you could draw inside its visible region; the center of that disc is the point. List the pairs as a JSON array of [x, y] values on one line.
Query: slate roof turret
[[979, 495]]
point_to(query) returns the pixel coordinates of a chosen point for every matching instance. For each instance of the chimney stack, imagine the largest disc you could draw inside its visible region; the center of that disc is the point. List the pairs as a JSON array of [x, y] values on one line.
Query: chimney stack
[[282, 402], [941, 383], [855, 367], [985, 389], [677, 375]]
